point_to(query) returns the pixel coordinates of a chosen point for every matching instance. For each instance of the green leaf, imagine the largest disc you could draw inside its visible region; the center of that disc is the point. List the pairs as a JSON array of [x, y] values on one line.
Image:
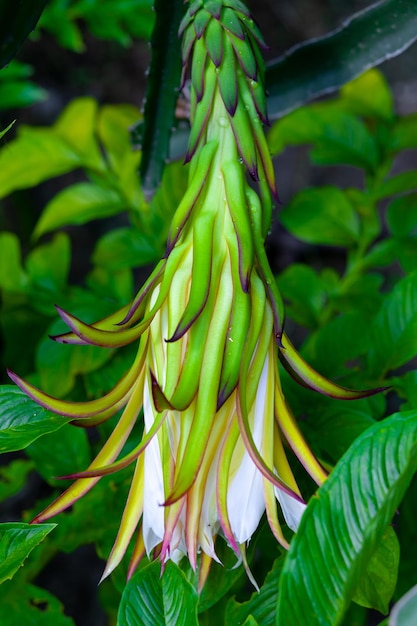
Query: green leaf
[[338, 135], [48, 265], [369, 95], [377, 583], [394, 330], [78, 204], [337, 425], [56, 19], [113, 126], [406, 387], [344, 523], [17, 540], [77, 127], [404, 133], [346, 140], [402, 215], [405, 611], [222, 577], [58, 365], [13, 477], [407, 253], [150, 599], [362, 293], [305, 293], [125, 248], [22, 420], [162, 92], [367, 39], [34, 156], [338, 343], [16, 94], [399, 183], [322, 216], [12, 276], [261, 606], [27, 604], [60, 453]]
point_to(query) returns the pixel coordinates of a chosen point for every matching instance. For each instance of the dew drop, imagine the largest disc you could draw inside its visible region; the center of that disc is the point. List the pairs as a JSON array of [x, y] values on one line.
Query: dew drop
[[222, 121]]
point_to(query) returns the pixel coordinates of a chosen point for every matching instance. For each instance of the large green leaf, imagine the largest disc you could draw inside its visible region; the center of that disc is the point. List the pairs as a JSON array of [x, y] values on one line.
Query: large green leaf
[[162, 92], [343, 524], [367, 39], [150, 599], [22, 420], [17, 540]]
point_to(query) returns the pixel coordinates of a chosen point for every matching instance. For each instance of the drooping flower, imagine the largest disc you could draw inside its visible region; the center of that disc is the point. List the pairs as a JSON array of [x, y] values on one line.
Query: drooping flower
[[209, 323]]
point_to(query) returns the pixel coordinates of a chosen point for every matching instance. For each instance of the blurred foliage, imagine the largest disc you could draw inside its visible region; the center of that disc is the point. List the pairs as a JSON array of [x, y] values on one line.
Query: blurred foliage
[[112, 20]]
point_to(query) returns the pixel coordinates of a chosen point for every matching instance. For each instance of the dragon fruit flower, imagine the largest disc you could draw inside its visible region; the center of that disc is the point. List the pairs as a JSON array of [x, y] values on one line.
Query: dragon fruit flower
[[209, 326]]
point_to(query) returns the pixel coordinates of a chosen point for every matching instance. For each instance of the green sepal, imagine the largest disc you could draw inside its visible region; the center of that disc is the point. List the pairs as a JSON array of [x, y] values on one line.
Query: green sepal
[[194, 7], [201, 20], [258, 96], [198, 69], [213, 38], [201, 272], [214, 7], [235, 184], [253, 30], [202, 114], [186, 47], [245, 56], [188, 17], [227, 79], [276, 301], [236, 337], [192, 194], [238, 6], [242, 130], [232, 23]]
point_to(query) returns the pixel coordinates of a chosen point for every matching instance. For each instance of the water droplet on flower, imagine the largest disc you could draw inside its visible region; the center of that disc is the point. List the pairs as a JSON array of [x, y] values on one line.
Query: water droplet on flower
[[223, 121]]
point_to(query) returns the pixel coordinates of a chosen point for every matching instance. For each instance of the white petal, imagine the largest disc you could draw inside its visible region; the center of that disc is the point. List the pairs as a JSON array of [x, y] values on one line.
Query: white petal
[[154, 497], [209, 524], [245, 498], [292, 509]]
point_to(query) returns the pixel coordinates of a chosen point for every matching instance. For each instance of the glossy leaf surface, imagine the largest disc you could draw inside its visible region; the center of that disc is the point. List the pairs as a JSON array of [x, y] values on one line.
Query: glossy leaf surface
[[320, 66], [345, 521]]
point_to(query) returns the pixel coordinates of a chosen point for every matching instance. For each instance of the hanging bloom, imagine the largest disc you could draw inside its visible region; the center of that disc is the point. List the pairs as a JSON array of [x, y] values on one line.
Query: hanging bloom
[[209, 322]]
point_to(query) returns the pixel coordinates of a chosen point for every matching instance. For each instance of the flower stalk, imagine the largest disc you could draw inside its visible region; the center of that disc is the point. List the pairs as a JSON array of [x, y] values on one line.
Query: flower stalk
[[210, 325]]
